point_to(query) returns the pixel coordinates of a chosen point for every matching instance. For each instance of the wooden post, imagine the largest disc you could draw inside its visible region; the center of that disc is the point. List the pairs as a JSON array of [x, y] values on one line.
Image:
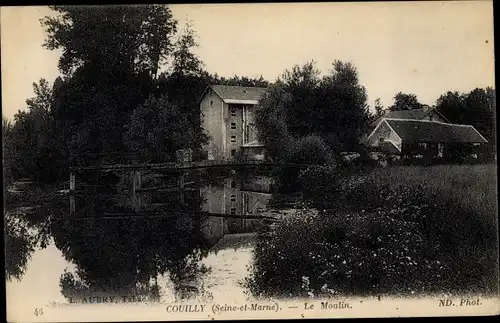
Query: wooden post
[[72, 181], [136, 184], [72, 185], [181, 187]]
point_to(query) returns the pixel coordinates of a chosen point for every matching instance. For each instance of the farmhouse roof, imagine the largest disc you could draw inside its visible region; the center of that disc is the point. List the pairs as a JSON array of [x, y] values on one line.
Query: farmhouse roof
[[415, 114], [408, 114], [433, 131]]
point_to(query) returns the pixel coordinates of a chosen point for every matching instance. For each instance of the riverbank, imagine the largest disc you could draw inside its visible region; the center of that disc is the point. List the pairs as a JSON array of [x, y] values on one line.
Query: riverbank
[[402, 230]]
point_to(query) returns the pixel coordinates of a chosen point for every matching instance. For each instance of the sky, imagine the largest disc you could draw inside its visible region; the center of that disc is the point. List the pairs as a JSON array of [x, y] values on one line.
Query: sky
[[424, 48]]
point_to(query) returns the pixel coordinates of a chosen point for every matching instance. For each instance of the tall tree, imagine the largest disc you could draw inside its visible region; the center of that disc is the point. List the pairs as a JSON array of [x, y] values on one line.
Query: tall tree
[[379, 108], [7, 151], [157, 129], [270, 119], [452, 106], [128, 38], [481, 106], [6, 128], [31, 147], [186, 62], [342, 108], [403, 101], [110, 58], [477, 108], [301, 103], [301, 82]]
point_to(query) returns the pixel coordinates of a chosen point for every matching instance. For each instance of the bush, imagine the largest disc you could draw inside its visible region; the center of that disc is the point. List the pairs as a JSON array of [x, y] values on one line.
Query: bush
[[318, 183], [346, 254], [402, 230], [310, 150]]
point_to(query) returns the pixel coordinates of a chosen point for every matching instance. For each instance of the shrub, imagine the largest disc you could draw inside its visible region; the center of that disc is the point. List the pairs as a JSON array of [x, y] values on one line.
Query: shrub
[[399, 230], [310, 150], [344, 253], [318, 183]]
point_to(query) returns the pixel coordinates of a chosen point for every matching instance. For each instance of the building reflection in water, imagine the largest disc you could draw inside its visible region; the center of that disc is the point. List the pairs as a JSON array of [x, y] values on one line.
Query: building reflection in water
[[242, 199]]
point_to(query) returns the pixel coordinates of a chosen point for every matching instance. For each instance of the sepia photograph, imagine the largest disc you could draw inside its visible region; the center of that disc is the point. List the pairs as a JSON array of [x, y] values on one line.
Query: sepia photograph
[[249, 161]]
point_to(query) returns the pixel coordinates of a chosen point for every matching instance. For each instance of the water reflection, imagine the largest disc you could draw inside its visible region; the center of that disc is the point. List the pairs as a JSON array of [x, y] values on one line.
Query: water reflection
[[118, 248], [26, 229], [20, 243], [235, 198]]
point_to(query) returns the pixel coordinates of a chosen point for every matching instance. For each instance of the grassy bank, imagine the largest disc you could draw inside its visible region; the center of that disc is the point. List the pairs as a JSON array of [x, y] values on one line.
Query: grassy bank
[[473, 187], [401, 230]]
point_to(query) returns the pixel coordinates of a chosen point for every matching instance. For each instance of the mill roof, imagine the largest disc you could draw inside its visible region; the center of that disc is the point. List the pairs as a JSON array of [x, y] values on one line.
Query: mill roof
[[238, 94]]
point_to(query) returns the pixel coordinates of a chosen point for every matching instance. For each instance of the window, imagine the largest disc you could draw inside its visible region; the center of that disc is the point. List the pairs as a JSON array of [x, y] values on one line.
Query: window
[[381, 139], [211, 102], [233, 111], [233, 198], [233, 211], [233, 139], [233, 125], [233, 184], [233, 153]]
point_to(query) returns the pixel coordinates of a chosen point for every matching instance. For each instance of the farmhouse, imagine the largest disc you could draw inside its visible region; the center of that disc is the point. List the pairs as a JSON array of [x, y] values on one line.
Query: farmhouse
[[422, 133], [424, 138], [227, 114]]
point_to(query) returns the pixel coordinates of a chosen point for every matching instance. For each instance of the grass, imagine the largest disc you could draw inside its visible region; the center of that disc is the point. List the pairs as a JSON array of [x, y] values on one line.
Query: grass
[[464, 219], [398, 230], [473, 187]]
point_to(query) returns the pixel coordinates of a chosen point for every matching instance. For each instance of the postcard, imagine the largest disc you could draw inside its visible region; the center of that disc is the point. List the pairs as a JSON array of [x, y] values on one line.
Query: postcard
[[249, 161]]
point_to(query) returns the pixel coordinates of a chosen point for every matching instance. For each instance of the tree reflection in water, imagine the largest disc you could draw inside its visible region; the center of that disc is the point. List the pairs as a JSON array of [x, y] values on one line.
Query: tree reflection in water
[[26, 229], [20, 243], [121, 255], [125, 255]]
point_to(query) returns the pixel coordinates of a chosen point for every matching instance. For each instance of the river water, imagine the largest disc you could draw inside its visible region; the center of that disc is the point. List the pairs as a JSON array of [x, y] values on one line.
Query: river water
[[136, 247]]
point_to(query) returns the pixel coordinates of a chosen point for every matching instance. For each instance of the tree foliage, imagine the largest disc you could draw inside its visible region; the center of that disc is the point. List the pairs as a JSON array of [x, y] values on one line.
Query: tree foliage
[[403, 101], [236, 80], [379, 108], [31, 148], [301, 103], [185, 62], [477, 108], [7, 151], [111, 38], [310, 150], [110, 59], [157, 129], [343, 109], [270, 119]]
